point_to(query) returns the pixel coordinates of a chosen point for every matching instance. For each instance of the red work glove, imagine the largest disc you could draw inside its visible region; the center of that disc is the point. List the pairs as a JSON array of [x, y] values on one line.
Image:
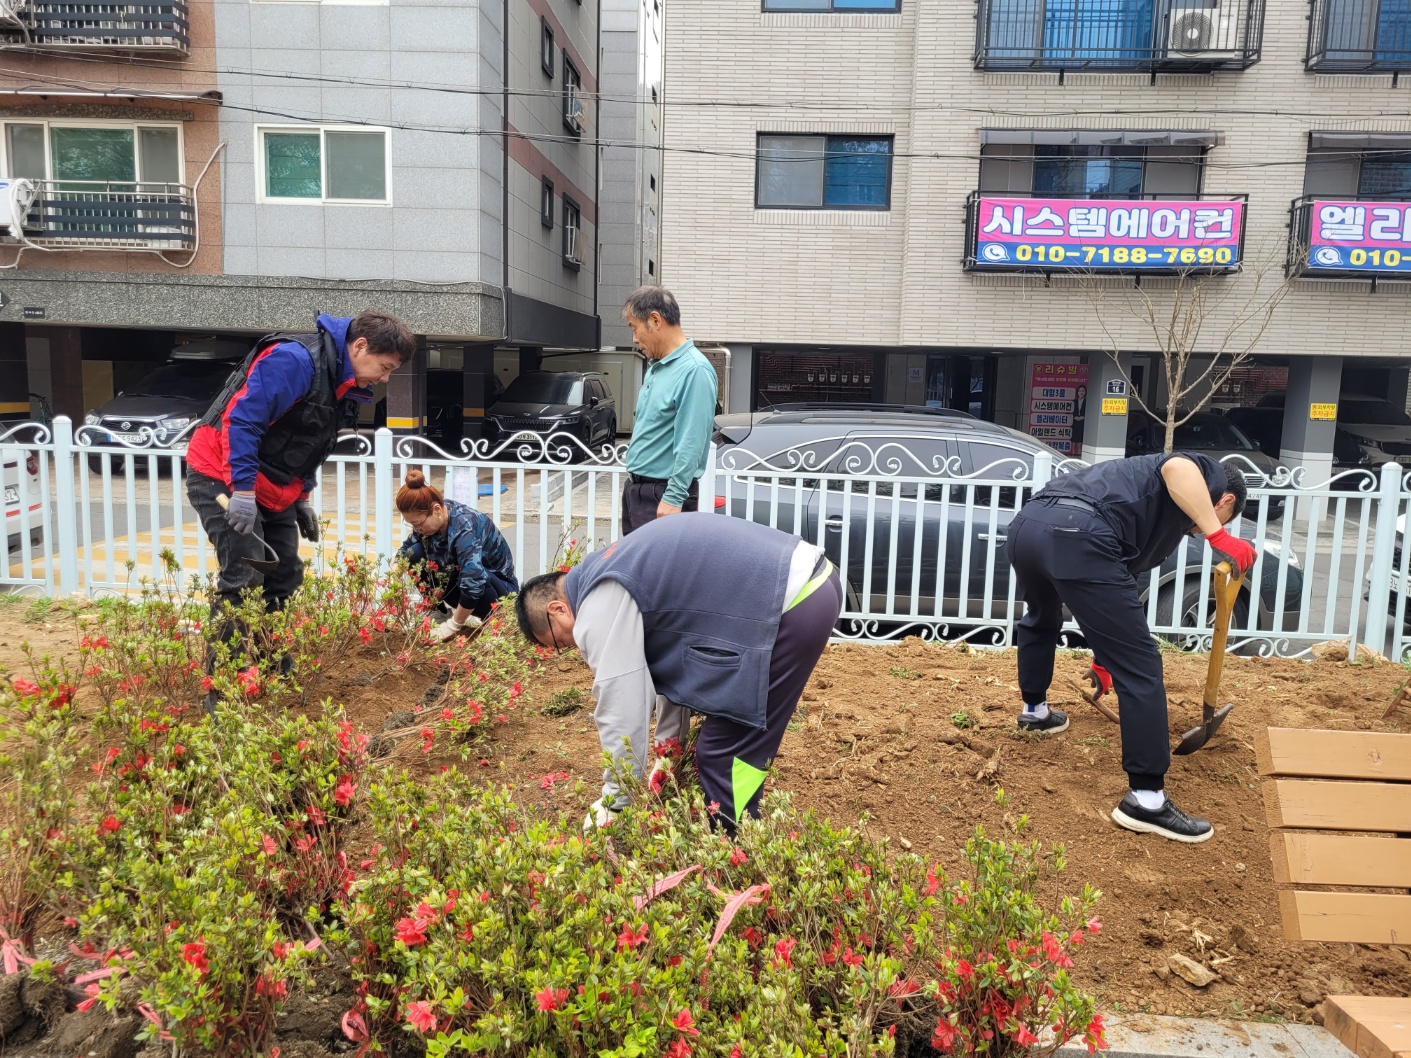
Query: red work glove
[[1100, 679], [1240, 552]]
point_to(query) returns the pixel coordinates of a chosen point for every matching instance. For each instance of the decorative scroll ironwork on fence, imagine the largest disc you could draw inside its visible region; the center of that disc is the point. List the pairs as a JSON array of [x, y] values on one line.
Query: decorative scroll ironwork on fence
[[920, 536]]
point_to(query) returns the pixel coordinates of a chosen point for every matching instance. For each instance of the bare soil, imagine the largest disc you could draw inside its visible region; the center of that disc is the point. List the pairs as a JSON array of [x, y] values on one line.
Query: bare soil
[[911, 741]]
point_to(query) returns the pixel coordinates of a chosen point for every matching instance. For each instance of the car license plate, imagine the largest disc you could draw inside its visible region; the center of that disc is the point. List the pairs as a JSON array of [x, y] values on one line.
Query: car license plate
[[130, 438], [12, 495]]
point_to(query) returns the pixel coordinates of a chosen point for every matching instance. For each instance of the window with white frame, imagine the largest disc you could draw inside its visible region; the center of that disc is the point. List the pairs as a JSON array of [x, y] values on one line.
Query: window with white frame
[[302, 163], [573, 251], [146, 156], [573, 104]]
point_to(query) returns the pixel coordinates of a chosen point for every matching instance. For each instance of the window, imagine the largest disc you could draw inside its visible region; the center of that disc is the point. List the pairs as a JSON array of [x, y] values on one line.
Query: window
[[573, 109], [573, 252], [831, 5], [546, 203], [546, 47], [1360, 35], [1370, 165], [324, 164], [823, 172], [653, 181], [1091, 170], [651, 267], [135, 156]]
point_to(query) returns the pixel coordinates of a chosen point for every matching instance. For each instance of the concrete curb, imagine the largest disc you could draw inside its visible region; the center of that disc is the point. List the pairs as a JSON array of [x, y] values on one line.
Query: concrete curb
[[1151, 1036]]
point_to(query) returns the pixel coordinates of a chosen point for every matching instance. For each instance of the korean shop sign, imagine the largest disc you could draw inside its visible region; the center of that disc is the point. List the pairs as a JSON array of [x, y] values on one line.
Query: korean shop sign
[[1360, 236], [1107, 235]]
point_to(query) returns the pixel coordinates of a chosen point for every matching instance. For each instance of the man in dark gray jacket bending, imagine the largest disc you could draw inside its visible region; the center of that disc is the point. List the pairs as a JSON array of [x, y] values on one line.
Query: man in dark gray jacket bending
[[699, 613]]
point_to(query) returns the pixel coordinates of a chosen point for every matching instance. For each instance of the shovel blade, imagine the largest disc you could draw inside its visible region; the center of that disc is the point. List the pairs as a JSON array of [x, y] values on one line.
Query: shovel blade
[[1197, 737]]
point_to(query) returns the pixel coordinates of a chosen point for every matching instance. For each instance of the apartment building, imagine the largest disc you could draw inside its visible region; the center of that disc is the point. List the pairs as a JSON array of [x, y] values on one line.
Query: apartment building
[[227, 168], [924, 201]]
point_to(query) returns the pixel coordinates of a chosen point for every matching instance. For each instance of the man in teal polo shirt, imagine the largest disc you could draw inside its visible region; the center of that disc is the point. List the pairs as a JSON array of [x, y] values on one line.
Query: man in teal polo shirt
[[675, 413]]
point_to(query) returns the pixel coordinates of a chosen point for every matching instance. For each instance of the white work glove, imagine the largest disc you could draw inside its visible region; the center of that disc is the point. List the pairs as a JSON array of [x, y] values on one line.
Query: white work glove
[[450, 626], [598, 816], [446, 629]]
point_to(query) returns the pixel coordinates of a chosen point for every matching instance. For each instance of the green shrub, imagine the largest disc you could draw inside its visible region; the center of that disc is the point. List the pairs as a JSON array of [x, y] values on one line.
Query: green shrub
[[565, 702], [484, 930]]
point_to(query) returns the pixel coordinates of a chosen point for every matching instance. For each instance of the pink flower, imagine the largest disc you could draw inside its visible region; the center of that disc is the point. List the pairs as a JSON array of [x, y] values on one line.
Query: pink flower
[[25, 688], [1025, 1038], [1094, 926], [678, 1048], [737, 857], [419, 1016]]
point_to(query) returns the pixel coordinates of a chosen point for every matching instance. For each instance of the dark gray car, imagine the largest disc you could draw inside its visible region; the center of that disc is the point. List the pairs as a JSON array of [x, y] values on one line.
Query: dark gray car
[[963, 525], [548, 402]]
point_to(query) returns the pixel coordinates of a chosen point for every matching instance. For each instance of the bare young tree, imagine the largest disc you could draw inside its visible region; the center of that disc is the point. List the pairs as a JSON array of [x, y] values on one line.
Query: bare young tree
[[1223, 317]]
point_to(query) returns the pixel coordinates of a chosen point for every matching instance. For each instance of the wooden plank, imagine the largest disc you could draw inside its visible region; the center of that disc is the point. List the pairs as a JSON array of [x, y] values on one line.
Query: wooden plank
[[1354, 918], [1316, 804], [1340, 859], [1286, 751], [1370, 1026]]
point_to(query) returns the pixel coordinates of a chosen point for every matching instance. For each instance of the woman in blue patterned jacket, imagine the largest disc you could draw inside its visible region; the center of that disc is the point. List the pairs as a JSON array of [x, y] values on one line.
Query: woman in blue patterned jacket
[[460, 558]]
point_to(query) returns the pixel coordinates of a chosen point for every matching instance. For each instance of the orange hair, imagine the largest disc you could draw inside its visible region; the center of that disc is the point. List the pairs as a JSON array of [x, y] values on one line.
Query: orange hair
[[417, 495]]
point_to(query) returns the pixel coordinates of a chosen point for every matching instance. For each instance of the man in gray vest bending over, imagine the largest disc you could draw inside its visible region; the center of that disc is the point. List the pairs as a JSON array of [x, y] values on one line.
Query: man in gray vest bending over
[[699, 613]]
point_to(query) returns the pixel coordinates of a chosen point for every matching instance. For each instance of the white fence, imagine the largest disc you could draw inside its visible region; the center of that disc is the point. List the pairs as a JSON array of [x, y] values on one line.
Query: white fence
[[921, 542]]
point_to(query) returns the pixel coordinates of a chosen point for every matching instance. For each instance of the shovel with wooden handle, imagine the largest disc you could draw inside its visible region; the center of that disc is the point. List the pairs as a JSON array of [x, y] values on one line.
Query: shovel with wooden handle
[[261, 565], [1227, 590]]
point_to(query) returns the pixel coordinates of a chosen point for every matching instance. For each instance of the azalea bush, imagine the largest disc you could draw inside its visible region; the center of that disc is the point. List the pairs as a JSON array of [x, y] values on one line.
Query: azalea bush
[[38, 753], [482, 929], [215, 852]]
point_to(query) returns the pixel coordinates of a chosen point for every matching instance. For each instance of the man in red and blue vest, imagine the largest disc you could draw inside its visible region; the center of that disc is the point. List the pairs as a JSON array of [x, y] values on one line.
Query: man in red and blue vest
[[260, 445]]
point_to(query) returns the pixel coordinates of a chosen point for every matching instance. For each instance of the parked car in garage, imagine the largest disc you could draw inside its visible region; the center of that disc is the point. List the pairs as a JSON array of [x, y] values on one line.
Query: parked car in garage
[[167, 400], [548, 402], [19, 473], [1370, 430], [1263, 426], [962, 526]]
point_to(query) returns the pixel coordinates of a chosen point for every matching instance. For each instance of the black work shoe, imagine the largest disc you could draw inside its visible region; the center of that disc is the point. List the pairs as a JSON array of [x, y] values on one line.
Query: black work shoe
[[1056, 721], [1168, 821]]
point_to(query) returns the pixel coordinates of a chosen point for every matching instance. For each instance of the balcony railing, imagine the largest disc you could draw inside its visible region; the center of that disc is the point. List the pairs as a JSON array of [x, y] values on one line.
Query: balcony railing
[[1143, 35], [83, 215], [69, 25], [1083, 234], [1360, 36], [1350, 237]]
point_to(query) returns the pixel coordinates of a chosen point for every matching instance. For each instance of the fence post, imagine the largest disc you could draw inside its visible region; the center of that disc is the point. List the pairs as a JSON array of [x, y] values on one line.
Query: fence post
[[382, 490], [66, 516], [1043, 469], [1379, 585], [707, 486]]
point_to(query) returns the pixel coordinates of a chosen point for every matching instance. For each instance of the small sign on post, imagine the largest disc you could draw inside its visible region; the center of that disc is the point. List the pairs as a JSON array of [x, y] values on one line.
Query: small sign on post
[[1116, 387], [1114, 405], [1323, 412]]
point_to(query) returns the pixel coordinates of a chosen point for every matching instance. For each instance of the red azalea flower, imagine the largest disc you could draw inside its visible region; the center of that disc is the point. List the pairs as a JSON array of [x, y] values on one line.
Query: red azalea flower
[[419, 1016], [1094, 926], [627, 940], [110, 823], [25, 688], [685, 1023], [784, 950], [195, 954], [737, 857], [411, 931], [249, 680], [344, 791], [550, 998]]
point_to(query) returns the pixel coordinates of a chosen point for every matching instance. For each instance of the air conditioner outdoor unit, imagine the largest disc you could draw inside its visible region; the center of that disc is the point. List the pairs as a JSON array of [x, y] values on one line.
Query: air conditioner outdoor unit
[[16, 200], [1201, 31]]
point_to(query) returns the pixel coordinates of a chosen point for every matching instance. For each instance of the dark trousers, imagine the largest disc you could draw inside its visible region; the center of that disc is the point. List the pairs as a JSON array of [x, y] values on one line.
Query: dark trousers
[[1065, 555], [640, 499], [279, 530], [732, 758], [446, 586]]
